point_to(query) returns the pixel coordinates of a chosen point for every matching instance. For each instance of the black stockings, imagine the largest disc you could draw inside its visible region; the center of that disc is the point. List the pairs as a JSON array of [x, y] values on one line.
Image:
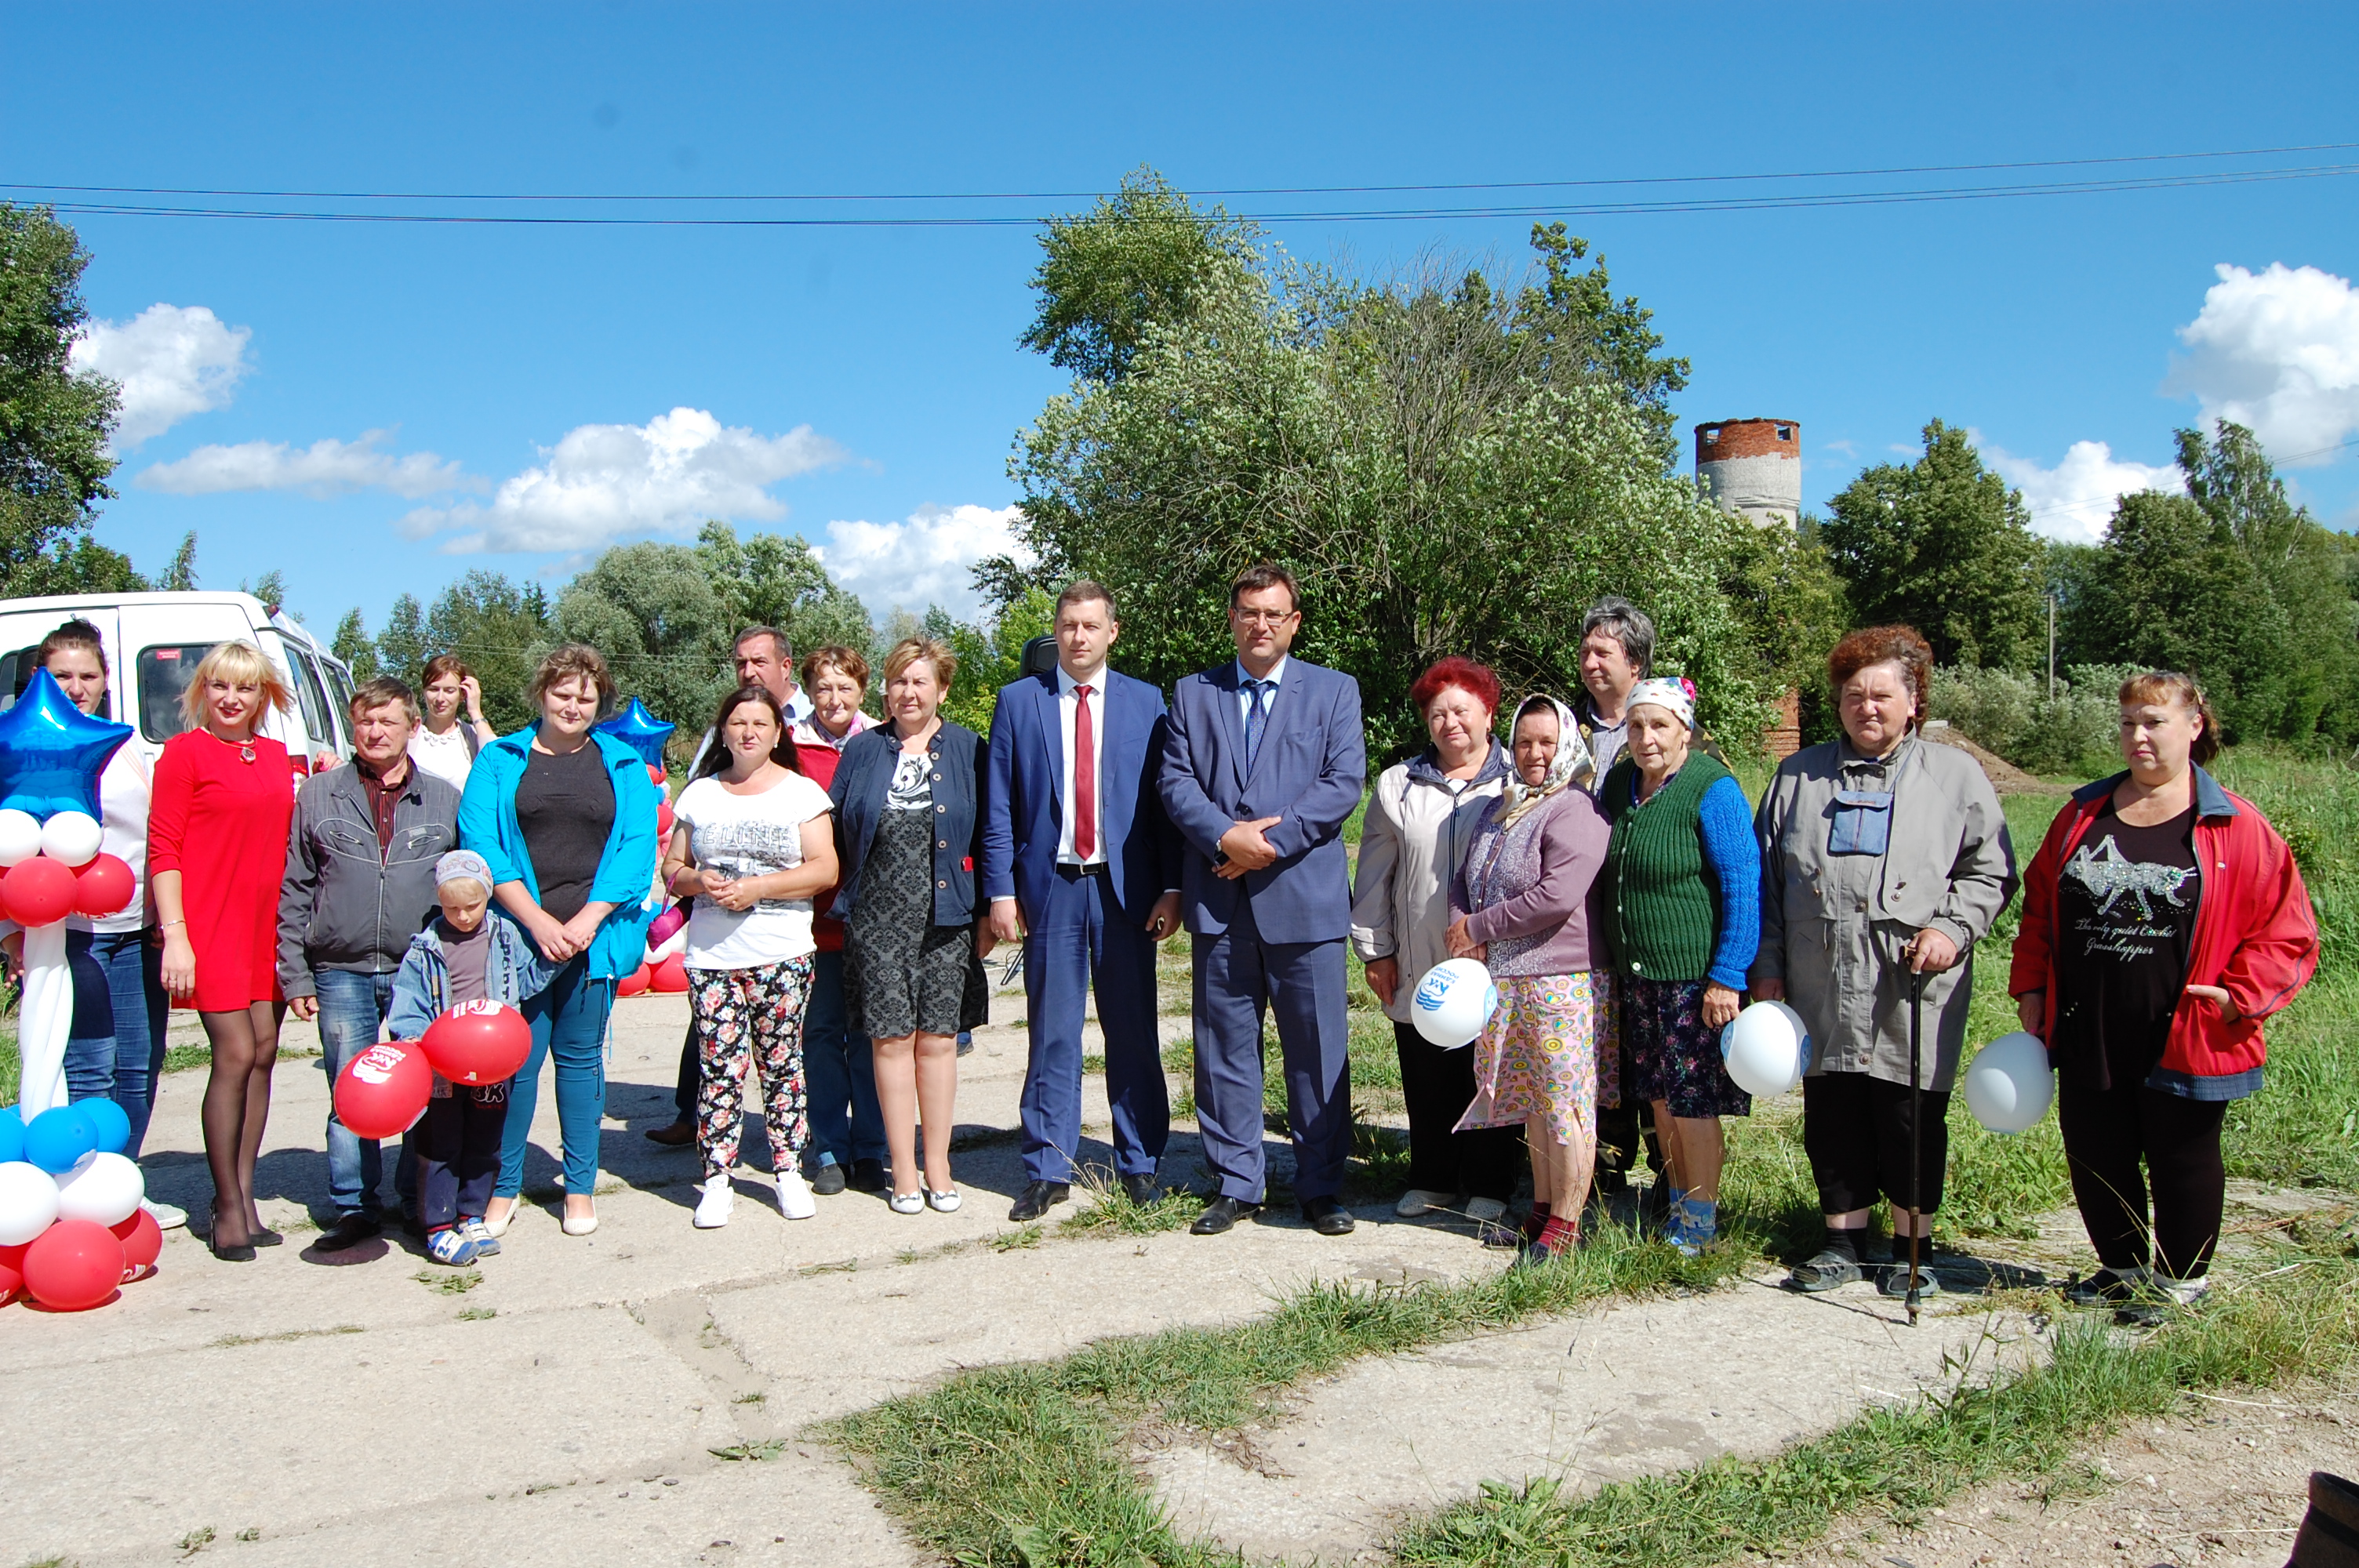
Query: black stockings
[[237, 1105]]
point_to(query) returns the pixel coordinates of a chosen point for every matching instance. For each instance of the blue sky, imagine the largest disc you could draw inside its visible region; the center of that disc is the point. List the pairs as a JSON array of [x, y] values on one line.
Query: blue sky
[[519, 379]]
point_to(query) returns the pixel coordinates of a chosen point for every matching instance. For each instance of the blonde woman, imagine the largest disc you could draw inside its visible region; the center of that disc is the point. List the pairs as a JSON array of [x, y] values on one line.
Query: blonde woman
[[216, 852]]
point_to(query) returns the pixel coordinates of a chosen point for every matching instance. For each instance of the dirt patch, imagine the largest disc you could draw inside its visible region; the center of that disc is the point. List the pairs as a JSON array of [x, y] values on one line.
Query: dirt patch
[[2221, 1482], [2005, 776]]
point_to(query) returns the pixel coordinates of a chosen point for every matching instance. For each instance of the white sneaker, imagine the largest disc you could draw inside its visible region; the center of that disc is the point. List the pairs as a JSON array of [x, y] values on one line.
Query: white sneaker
[[713, 1209], [1418, 1201], [795, 1200], [1486, 1211], [167, 1217]]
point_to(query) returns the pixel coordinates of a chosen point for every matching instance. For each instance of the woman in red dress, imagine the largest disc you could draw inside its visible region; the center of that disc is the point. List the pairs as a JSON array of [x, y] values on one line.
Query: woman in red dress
[[216, 852]]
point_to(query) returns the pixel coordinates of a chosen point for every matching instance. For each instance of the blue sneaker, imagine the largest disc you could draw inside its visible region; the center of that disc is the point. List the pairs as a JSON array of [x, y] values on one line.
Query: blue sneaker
[[486, 1244], [453, 1247]]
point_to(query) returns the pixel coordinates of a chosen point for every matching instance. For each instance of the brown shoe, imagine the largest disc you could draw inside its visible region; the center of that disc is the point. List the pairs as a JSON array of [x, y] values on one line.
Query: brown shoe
[[673, 1135]]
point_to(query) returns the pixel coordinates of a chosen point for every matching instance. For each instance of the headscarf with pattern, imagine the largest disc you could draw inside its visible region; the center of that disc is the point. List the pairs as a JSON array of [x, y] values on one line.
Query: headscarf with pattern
[[1571, 756]]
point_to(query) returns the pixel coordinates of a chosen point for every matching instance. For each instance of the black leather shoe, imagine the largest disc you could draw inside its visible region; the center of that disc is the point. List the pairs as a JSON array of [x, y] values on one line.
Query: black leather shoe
[[1327, 1216], [867, 1175], [1142, 1190], [1038, 1199], [263, 1235], [1221, 1213], [673, 1134], [350, 1230], [828, 1180]]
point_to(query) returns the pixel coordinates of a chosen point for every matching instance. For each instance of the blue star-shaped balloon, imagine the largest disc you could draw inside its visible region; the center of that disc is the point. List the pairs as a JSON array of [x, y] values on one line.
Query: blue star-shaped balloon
[[52, 753], [640, 730]]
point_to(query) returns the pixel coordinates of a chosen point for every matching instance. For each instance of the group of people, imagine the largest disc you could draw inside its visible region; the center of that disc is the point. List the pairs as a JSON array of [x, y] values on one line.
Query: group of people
[[843, 880]]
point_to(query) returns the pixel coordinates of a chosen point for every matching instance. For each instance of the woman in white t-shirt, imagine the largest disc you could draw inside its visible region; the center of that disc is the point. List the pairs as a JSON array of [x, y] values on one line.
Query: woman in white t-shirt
[[751, 841], [446, 744]]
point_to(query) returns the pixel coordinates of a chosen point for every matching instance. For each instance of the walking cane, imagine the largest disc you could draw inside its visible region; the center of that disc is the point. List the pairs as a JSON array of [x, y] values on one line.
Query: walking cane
[[1916, 1123]]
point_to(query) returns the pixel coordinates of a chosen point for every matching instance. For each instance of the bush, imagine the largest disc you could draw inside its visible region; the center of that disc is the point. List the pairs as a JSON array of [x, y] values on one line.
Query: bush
[[2075, 732]]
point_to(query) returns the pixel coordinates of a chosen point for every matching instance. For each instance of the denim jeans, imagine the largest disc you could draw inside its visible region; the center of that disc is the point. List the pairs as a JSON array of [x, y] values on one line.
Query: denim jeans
[[352, 1015], [114, 1047], [846, 1121], [568, 1022]]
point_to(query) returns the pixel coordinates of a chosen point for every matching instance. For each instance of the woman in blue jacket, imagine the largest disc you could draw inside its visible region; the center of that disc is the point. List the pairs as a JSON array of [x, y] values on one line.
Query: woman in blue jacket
[[566, 818], [909, 826]]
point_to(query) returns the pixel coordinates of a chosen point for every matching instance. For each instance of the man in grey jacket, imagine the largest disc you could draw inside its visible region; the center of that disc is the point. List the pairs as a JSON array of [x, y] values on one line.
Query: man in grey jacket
[[359, 885]]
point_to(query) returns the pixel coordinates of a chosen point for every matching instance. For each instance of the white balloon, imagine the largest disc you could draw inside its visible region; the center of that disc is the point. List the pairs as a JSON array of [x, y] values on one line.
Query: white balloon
[[20, 838], [2009, 1085], [1453, 1001], [28, 1202], [71, 836], [1765, 1049], [101, 1187]]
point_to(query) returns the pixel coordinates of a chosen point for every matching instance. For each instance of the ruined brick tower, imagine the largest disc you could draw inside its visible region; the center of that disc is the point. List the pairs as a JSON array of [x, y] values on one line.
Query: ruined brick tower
[[1753, 465]]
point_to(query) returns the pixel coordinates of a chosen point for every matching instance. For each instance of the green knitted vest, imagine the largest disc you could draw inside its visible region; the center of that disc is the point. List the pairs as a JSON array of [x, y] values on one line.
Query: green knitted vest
[[1657, 903]]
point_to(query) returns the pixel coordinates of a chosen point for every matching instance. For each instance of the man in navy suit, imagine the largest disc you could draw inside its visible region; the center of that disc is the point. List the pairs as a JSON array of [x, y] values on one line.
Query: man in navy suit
[[1077, 850], [1264, 761]]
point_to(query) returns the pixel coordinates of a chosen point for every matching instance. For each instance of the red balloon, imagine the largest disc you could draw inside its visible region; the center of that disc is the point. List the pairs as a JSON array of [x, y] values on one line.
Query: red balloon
[[142, 1238], [671, 975], [663, 819], [382, 1091], [12, 1269], [38, 892], [103, 887], [73, 1265], [654, 773], [634, 982], [478, 1042]]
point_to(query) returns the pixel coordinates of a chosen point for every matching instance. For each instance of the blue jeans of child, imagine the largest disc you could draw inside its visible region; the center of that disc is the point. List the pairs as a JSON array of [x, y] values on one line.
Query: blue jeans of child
[[568, 1022], [352, 1016], [114, 1045], [847, 1123]]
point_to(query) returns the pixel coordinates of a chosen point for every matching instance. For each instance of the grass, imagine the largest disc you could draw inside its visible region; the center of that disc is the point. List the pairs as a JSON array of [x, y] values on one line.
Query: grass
[[450, 1281], [478, 1315], [751, 1452], [230, 1341]]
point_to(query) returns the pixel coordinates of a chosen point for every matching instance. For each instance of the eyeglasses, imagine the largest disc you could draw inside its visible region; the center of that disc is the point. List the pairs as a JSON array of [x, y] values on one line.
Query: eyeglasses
[[1261, 617]]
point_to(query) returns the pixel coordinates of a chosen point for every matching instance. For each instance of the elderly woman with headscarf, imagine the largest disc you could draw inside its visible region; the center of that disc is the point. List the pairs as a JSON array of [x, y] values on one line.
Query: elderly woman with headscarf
[[1681, 903], [1520, 904], [1885, 858]]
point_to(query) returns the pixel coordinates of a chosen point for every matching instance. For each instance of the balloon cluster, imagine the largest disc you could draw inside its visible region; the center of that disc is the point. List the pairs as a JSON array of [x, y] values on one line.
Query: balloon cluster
[[382, 1091], [54, 870], [72, 1227], [663, 967]]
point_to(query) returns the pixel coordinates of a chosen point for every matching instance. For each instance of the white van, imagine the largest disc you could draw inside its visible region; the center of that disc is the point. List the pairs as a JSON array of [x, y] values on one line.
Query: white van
[[153, 644]]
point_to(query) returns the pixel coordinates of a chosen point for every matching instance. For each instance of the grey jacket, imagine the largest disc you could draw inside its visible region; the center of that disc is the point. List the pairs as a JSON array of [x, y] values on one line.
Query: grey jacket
[[1833, 926], [345, 903], [1416, 831]]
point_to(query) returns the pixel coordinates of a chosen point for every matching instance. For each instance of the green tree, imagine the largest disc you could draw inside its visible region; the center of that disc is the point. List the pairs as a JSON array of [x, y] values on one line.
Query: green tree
[[1793, 611], [653, 611], [54, 425], [989, 657], [353, 646], [402, 648], [180, 574], [270, 588], [1139, 259], [1943, 544], [493, 627], [1402, 448], [1584, 333], [771, 581]]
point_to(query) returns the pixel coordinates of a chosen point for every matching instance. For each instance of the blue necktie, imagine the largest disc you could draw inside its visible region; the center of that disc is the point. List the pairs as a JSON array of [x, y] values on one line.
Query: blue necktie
[[1256, 716]]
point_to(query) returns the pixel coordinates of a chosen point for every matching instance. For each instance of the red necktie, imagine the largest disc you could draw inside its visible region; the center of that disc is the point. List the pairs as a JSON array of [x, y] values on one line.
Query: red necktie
[[1085, 777]]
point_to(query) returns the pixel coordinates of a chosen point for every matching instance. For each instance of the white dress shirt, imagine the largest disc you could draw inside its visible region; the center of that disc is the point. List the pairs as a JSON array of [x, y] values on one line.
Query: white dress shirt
[[1246, 695], [1068, 705]]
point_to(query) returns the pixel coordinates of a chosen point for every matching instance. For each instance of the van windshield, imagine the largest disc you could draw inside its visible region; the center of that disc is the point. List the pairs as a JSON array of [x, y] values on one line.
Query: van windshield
[[164, 675]]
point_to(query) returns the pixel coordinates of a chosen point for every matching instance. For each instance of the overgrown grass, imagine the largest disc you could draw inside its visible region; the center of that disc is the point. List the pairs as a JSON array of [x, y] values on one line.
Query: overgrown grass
[[1030, 1465], [1904, 1460]]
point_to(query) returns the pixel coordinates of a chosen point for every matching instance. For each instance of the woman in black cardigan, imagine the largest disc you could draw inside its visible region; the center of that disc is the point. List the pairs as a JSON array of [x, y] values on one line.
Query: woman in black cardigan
[[908, 823]]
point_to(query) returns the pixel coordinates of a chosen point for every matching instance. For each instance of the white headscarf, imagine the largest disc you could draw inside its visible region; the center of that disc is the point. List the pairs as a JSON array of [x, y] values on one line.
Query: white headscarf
[[1673, 693], [1519, 797]]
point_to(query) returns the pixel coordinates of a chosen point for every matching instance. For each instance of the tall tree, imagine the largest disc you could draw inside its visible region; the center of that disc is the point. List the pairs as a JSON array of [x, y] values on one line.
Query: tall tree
[[54, 425], [1139, 259], [353, 646], [771, 581], [1584, 333], [493, 627], [402, 648], [179, 574], [1945, 545], [651, 609]]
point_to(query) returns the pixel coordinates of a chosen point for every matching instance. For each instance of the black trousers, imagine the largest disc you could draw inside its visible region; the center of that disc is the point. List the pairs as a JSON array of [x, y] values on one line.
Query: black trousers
[[1856, 1132], [1482, 1163], [1622, 1130], [457, 1144], [2107, 1134], [683, 1090]]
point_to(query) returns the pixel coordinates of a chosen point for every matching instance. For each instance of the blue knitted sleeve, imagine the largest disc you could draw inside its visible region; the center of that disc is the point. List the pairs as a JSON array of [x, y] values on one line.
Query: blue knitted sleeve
[[1734, 857]]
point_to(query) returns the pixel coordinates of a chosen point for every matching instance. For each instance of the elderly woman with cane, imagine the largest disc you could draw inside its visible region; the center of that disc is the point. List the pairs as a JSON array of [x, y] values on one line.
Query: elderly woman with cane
[[1884, 857]]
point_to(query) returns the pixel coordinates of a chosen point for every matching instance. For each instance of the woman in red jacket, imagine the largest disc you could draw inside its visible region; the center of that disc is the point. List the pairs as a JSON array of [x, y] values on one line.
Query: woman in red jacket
[[216, 854], [2163, 920]]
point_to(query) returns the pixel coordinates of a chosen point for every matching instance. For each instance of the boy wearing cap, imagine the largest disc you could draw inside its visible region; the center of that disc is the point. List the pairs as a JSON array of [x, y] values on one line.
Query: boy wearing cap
[[460, 957]]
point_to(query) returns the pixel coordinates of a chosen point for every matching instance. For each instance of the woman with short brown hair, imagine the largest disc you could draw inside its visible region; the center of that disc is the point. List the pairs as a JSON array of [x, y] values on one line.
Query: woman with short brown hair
[[445, 745]]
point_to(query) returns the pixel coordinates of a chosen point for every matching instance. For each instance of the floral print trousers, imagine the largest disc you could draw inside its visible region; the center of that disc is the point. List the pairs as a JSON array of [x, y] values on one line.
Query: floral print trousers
[[751, 1016]]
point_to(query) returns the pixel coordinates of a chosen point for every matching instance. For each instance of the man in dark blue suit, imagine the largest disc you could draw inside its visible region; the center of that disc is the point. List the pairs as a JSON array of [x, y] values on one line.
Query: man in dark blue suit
[[1264, 762], [1077, 850]]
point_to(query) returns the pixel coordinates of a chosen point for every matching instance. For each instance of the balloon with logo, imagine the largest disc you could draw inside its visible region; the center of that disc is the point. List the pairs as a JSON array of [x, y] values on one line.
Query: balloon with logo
[[382, 1091], [1453, 1001], [478, 1042]]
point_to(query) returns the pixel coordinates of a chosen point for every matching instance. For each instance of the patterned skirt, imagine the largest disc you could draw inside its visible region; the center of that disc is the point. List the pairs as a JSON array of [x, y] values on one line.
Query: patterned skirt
[[1549, 1051], [1674, 1055]]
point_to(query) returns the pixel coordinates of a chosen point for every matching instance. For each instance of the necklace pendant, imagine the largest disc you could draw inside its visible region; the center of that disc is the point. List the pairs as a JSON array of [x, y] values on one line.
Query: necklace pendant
[[245, 753]]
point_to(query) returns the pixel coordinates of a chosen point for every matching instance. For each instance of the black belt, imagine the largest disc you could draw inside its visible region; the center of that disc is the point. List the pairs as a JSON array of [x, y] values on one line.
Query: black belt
[[1075, 873]]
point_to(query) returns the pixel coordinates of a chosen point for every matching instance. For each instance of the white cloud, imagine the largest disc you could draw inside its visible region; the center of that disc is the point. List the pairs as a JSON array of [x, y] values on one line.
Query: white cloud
[[926, 558], [172, 359], [602, 482], [321, 469], [2074, 500], [2278, 351]]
